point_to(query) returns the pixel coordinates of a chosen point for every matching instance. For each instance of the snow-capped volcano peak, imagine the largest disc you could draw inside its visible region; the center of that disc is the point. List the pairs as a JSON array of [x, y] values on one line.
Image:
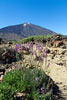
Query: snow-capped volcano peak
[[25, 24]]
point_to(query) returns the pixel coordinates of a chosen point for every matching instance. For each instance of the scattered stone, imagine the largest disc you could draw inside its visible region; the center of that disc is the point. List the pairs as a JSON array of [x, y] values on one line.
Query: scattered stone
[[1, 78], [44, 41], [61, 64], [21, 96], [53, 56], [48, 51], [63, 47], [2, 69], [63, 52]]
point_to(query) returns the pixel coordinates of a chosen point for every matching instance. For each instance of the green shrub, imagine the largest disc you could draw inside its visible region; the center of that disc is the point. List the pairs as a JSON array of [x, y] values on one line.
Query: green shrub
[[25, 81], [32, 38]]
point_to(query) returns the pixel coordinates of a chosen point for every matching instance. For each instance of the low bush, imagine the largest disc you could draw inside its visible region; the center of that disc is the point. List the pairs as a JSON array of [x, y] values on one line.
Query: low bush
[[35, 83], [33, 38]]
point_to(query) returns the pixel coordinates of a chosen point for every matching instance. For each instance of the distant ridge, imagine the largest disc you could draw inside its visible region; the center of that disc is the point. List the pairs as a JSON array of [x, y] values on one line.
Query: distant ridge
[[20, 31]]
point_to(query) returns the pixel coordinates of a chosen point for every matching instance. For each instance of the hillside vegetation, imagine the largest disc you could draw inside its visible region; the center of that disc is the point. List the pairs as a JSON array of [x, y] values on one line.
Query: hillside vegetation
[[34, 38]]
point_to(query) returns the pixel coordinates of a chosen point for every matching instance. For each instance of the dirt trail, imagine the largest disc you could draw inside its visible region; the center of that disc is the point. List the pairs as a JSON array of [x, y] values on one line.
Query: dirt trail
[[58, 70]]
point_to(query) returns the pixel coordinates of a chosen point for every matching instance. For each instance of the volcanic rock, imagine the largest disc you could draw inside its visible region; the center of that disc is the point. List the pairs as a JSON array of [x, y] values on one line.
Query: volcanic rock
[[7, 55]]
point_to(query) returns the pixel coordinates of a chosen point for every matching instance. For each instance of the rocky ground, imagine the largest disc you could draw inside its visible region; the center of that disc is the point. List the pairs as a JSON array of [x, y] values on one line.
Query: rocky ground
[[58, 67], [57, 58], [58, 70]]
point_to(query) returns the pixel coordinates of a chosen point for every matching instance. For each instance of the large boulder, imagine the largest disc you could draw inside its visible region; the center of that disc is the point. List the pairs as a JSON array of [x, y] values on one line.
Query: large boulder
[[58, 43], [57, 37], [7, 55]]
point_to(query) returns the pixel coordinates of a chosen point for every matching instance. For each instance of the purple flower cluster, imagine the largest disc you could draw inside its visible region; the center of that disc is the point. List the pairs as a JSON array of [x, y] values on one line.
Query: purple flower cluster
[[17, 47], [37, 79], [22, 47], [48, 65], [31, 46], [46, 51], [39, 47], [42, 90]]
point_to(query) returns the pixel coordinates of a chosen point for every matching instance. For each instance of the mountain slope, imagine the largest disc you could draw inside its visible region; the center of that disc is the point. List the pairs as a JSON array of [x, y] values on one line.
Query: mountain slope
[[16, 32]]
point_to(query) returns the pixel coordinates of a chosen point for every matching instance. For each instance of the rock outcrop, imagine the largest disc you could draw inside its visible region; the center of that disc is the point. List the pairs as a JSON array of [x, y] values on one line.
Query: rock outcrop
[[57, 41], [7, 55]]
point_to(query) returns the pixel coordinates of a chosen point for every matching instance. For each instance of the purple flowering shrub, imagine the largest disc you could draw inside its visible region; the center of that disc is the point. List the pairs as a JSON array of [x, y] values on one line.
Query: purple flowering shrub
[[33, 82], [22, 49], [38, 54]]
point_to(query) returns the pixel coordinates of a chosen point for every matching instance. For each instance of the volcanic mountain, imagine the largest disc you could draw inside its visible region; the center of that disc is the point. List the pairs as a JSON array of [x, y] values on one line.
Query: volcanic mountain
[[20, 31]]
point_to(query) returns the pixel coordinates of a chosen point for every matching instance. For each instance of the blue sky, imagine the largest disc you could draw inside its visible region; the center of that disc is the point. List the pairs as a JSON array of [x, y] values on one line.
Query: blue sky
[[50, 14]]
